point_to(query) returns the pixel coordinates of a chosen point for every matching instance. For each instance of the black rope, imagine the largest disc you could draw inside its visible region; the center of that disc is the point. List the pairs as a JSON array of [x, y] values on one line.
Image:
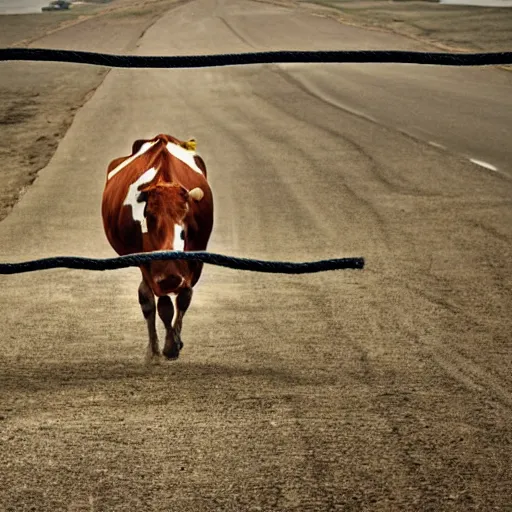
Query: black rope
[[240, 59], [138, 259]]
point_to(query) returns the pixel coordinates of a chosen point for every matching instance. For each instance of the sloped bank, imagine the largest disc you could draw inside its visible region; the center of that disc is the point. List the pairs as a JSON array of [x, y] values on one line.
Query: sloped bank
[[38, 100]]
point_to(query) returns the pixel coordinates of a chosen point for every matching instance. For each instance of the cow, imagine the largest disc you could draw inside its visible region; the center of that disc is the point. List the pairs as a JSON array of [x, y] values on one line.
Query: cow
[[159, 199]]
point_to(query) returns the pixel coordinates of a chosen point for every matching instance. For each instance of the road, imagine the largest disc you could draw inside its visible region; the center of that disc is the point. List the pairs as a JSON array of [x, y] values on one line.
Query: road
[[383, 389]]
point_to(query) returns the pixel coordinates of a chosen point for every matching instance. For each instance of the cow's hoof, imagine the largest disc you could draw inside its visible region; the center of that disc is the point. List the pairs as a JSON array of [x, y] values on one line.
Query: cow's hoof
[[152, 354], [173, 351], [152, 358]]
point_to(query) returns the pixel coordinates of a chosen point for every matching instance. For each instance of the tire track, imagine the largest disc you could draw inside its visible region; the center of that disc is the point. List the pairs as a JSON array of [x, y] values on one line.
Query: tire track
[[236, 32], [457, 366], [335, 180]]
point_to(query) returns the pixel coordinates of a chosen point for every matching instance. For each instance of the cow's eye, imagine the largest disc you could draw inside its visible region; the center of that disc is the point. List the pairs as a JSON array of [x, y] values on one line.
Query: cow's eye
[[182, 234]]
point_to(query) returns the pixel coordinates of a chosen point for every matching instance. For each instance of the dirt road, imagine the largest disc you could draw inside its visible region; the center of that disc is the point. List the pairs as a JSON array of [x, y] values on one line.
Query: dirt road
[[386, 389]]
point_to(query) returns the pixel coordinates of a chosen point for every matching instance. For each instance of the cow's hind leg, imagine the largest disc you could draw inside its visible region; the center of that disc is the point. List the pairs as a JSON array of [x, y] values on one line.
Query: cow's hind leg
[[171, 311], [148, 306]]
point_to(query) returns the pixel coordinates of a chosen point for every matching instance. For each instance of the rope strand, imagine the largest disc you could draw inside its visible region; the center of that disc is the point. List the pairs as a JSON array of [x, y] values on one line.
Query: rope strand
[[240, 59], [138, 259]]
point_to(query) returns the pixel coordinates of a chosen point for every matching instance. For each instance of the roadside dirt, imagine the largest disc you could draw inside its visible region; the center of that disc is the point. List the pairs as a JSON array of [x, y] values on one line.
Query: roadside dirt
[[38, 100], [447, 27]]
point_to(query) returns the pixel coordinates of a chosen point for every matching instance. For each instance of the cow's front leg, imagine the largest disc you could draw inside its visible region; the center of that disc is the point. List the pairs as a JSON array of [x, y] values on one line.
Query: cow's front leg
[[148, 306], [171, 310]]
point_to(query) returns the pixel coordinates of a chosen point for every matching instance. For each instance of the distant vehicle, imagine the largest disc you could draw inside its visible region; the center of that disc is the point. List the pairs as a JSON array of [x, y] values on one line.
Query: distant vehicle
[[57, 5]]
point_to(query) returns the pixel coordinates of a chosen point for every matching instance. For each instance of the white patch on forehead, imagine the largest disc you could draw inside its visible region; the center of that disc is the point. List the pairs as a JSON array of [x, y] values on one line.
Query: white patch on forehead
[[179, 244], [122, 165], [185, 155], [131, 198]]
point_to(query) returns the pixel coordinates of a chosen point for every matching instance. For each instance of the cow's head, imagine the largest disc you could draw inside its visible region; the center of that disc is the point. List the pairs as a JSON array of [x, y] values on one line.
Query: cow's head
[[167, 205]]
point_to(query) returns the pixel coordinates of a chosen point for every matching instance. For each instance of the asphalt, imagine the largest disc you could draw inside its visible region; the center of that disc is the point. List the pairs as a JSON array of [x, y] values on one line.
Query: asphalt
[[383, 389]]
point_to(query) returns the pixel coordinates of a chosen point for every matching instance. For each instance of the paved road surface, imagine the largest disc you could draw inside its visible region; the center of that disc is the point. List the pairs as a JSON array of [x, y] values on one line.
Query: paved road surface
[[387, 389]]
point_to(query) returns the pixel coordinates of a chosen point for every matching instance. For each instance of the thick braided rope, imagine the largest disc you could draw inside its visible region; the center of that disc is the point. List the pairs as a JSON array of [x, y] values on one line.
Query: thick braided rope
[[138, 259], [239, 59]]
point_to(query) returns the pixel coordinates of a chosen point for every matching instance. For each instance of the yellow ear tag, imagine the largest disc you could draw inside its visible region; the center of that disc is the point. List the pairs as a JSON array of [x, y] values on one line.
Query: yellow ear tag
[[190, 145]]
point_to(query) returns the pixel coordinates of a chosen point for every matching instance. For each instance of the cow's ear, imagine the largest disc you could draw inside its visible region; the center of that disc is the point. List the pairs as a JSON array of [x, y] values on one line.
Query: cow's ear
[[137, 145], [200, 163], [196, 193]]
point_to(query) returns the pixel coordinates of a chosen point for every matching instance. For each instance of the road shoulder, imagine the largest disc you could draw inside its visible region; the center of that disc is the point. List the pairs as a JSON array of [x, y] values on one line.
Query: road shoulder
[[38, 101]]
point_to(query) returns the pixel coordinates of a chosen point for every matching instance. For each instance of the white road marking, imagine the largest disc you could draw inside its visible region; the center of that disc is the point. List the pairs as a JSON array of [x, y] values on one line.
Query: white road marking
[[184, 155], [131, 198], [483, 164], [436, 145], [122, 165], [179, 244]]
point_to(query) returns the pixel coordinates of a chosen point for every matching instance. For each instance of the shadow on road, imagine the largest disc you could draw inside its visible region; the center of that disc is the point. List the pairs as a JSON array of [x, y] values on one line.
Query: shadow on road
[[20, 377]]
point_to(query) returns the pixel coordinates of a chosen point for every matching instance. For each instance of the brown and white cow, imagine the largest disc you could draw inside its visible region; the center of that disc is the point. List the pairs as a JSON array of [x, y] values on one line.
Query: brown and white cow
[[158, 199]]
